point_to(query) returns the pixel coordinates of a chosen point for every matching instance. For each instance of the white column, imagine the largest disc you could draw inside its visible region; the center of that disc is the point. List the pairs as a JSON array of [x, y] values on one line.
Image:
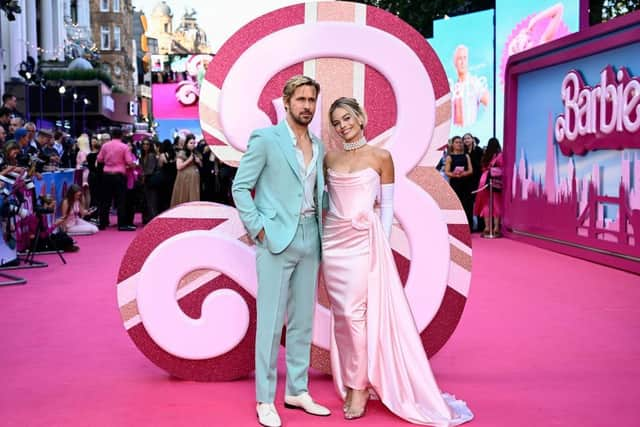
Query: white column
[[67, 11], [62, 32], [4, 49], [46, 29], [32, 30], [17, 51], [84, 16]]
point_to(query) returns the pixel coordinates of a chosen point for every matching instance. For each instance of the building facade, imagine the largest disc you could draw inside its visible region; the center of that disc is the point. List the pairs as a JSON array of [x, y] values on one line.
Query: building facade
[[38, 32], [112, 29], [188, 37]]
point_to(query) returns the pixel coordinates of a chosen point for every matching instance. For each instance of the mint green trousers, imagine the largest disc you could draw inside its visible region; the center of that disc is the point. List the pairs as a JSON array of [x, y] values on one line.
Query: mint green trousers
[[287, 283]]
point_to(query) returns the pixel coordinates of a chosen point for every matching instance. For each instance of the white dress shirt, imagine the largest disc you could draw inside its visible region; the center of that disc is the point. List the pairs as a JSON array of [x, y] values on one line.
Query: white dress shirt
[[308, 174]]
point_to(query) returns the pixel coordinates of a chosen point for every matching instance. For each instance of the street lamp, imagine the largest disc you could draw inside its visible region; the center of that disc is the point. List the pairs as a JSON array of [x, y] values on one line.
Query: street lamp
[[26, 70], [61, 91], [85, 102], [73, 114], [42, 87]]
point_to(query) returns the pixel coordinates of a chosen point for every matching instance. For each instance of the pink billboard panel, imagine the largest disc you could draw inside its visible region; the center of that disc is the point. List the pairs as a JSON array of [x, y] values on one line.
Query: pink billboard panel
[[176, 83], [572, 145]]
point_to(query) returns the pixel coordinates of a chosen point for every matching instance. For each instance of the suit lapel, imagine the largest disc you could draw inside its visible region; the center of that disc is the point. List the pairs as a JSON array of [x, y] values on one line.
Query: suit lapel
[[319, 170], [286, 145]]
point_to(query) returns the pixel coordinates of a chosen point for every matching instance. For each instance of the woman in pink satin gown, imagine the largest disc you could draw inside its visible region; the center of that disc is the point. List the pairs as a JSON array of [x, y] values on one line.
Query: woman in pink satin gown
[[375, 345]]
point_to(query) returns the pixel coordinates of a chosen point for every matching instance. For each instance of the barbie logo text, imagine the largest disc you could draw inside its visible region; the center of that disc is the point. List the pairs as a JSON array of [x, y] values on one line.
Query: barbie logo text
[[599, 118]]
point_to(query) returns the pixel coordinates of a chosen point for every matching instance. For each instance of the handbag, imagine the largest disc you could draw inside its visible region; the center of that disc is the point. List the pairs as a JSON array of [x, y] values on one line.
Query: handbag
[[155, 180], [61, 240], [495, 177]]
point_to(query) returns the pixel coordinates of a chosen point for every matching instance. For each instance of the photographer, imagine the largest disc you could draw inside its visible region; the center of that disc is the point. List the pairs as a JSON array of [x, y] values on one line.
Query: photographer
[[48, 152], [27, 156], [9, 160]]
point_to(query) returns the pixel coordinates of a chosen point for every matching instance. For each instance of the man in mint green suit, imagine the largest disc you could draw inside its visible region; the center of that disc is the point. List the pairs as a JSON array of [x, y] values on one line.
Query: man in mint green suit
[[283, 164]]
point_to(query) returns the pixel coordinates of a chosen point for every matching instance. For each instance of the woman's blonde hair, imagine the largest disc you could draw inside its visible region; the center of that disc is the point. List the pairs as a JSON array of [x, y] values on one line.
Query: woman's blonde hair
[[352, 106], [83, 143]]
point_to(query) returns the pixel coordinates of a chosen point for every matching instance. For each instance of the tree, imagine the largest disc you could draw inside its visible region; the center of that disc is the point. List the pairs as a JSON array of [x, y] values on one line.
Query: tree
[[420, 14], [10, 8], [603, 10]]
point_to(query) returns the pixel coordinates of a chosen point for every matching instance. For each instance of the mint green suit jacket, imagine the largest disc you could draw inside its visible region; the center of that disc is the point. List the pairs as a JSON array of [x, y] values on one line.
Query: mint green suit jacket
[[270, 167]]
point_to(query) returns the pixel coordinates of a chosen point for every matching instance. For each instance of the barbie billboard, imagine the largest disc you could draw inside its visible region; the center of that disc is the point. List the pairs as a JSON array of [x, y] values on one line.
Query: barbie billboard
[[467, 57], [573, 143], [524, 25]]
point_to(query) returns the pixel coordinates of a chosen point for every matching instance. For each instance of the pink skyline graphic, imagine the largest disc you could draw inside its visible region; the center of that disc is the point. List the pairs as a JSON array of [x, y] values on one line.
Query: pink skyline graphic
[[578, 209]]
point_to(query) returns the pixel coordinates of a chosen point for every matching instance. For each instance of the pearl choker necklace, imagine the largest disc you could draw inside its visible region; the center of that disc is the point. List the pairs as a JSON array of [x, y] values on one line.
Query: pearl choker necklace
[[350, 146]]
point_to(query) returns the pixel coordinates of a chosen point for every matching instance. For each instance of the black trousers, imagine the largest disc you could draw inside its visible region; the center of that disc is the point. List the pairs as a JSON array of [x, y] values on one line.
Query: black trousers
[[113, 188]]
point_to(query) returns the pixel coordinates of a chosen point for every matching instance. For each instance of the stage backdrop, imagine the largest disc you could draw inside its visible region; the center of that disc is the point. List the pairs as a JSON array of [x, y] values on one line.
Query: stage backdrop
[[187, 285], [573, 144], [176, 82], [468, 53], [524, 25]]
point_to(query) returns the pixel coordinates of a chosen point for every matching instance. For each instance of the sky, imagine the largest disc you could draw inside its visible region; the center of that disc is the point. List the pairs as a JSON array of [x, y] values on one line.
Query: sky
[[219, 18]]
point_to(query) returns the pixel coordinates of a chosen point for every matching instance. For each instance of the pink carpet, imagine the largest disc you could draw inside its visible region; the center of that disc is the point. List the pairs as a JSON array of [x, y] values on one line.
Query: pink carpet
[[545, 340]]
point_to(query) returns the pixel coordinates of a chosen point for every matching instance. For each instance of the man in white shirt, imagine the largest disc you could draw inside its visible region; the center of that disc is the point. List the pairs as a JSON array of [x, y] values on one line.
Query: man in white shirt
[[468, 92], [57, 142], [283, 164]]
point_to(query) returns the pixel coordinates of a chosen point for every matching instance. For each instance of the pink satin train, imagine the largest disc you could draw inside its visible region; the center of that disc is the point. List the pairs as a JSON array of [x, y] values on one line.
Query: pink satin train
[[375, 343]]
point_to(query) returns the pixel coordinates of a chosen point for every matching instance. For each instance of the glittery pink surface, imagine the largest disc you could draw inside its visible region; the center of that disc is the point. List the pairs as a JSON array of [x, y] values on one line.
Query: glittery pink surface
[[379, 102], [241, 41], [336, 11], [336, 78], [154, 233], [460, 232], [237, 363], [273, 89], [393, 25], [435, 336], [248, 35]]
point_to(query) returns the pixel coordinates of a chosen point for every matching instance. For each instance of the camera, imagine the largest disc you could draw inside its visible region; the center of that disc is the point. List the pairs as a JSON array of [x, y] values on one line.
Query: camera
[[12, 207], [13, 196], [45, 205]]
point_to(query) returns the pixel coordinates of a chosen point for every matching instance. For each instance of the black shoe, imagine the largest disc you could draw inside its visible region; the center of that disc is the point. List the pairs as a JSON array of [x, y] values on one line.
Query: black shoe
[[102, 227], [127, 228]]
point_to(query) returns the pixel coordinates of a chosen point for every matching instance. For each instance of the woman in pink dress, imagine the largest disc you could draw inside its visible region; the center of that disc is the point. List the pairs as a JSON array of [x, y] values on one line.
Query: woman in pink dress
[[73, 212], [491, 160], [375, 346]]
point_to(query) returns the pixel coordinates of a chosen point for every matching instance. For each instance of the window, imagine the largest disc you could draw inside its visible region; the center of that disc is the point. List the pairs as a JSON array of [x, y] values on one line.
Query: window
[[166, 27], [117, 45], [104, 5], [105, 42], [116, 5], [74, 12]]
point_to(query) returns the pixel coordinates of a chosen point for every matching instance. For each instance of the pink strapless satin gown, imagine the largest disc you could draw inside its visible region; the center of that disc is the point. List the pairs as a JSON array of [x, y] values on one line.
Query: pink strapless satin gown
[[375, 343]]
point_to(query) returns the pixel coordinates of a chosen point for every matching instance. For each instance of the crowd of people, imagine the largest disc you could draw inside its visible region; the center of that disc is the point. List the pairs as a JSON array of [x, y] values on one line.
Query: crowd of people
[[470, 170], [113, 171]]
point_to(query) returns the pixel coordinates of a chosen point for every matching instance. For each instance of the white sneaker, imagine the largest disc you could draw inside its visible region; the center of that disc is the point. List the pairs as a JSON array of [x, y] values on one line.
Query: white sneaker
[[306, 403], [267, 415]]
